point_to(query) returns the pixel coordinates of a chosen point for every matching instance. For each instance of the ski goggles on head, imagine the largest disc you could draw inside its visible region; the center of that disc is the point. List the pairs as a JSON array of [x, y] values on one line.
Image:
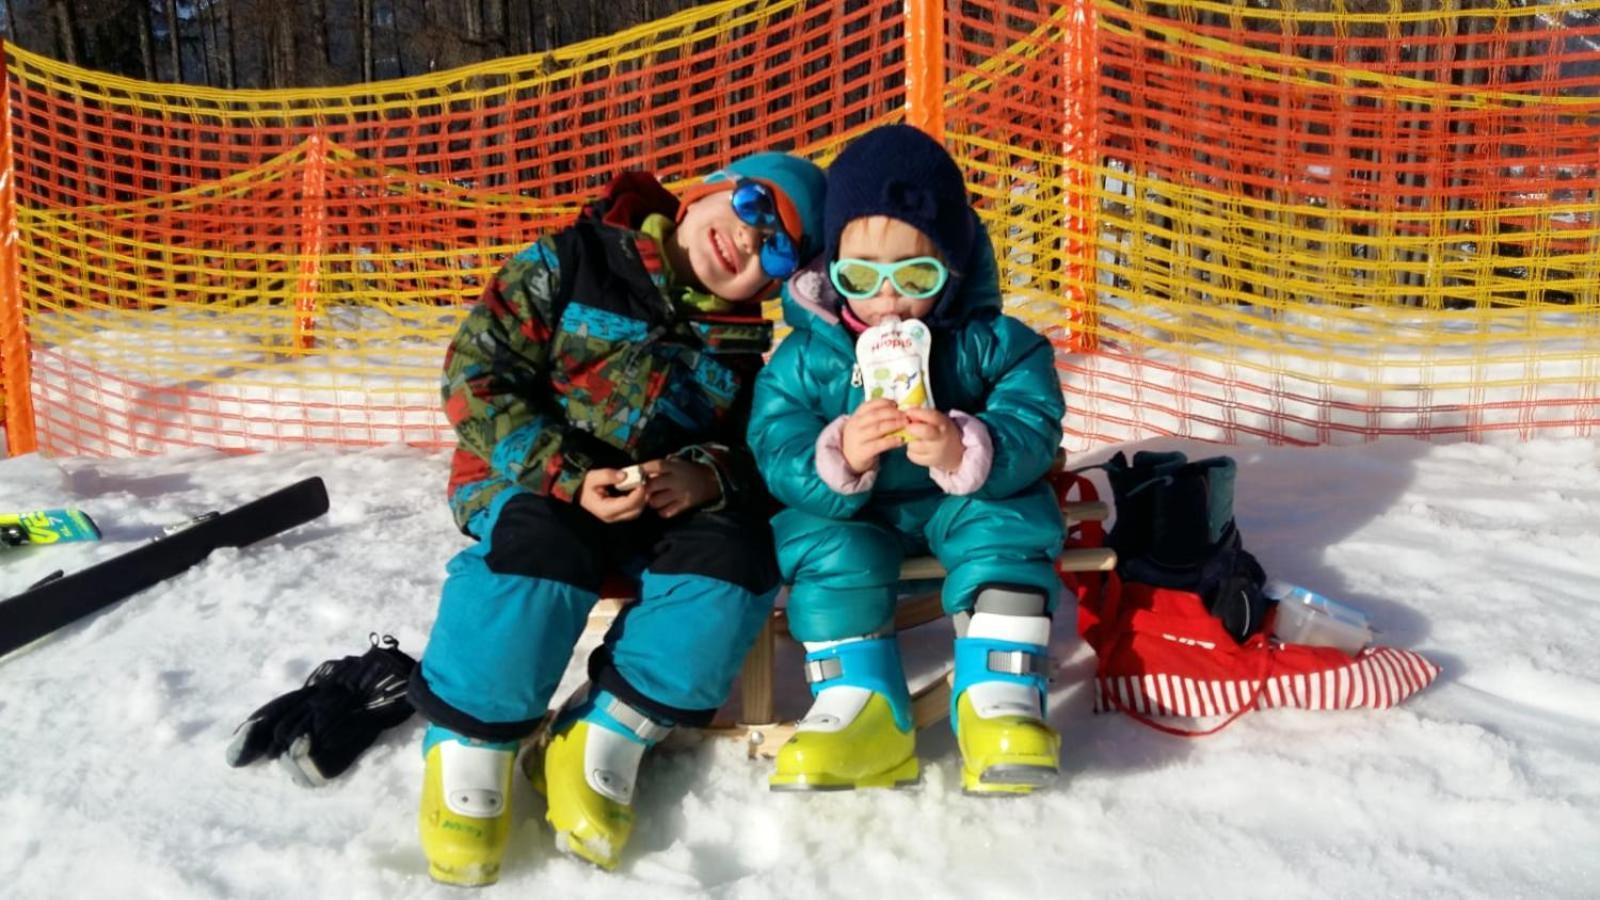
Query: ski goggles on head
[[917, 278], [756, 205]]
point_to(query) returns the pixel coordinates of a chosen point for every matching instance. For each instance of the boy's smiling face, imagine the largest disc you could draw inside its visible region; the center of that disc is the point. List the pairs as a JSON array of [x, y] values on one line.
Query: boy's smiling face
[[722, 252], [885, 240]]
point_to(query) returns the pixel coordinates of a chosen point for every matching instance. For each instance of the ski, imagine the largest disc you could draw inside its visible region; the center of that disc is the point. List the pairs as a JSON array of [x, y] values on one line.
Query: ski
[[46, 526], [56, 602]]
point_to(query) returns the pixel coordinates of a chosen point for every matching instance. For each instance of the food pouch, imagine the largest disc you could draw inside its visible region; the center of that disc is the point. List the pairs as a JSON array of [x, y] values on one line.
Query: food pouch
[[893, 359]]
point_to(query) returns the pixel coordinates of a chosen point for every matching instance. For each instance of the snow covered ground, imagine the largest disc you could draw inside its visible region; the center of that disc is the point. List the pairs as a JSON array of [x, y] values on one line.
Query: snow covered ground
[[1484, 557]]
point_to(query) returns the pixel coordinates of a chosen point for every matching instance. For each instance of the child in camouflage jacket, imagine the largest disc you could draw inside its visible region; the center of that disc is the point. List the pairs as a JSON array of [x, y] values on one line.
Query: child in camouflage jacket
[[600, 391]]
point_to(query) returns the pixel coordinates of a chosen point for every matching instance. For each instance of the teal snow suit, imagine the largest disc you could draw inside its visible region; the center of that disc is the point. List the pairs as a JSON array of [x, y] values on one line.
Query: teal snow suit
[[842, 552]]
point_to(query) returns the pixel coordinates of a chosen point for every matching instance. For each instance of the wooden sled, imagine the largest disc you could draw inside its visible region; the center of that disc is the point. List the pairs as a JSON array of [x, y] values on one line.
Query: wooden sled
[[753, 718]]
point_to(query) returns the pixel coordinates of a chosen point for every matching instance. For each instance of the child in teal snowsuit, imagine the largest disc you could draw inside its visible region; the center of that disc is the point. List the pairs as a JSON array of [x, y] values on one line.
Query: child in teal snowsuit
[[618, 343], [867, 484]]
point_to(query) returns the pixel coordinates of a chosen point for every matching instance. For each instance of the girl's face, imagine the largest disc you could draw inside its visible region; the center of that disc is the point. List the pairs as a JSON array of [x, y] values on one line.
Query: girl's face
[[885, 240]]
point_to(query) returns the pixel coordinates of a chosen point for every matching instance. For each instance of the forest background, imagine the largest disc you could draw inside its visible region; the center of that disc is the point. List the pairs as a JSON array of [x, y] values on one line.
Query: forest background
[[274, 44]]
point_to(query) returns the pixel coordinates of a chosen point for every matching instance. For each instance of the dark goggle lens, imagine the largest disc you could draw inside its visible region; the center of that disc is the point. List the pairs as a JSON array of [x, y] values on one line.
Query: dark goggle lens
[[915, 278], [755, 205], [918, 279], [779, 258], [855, 278]]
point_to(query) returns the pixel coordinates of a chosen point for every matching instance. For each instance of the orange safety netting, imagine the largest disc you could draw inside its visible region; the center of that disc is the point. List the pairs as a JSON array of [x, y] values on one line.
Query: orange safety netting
[[256, 269], [1293, 221], [1387, 213], [1298, 221]]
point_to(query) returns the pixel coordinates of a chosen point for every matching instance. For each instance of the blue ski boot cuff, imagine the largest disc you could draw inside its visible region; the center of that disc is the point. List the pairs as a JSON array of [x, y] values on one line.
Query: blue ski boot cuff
[[989, 659], [438, 734], [607, 711], [873, 664]]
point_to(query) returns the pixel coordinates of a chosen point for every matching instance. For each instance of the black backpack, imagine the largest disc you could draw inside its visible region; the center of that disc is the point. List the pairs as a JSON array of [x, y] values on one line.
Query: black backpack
[[1175, 529]]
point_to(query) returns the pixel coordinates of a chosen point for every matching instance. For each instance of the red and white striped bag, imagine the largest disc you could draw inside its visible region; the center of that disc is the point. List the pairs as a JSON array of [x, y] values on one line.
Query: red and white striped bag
[[1161, 654]]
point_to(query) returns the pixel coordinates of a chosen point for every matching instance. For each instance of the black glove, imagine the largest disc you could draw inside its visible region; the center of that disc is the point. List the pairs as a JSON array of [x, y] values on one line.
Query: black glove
[[318, 730]]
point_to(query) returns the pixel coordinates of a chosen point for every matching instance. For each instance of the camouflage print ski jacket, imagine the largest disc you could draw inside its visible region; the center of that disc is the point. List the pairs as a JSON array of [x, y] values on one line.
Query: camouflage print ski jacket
[[576, 357]]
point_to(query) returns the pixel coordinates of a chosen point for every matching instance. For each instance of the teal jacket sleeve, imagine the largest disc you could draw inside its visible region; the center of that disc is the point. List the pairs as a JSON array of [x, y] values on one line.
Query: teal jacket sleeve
[[784, 427], [1024, 408]]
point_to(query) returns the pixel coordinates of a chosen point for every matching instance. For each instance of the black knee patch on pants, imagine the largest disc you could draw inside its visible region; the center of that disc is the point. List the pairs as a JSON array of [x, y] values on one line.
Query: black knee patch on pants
[[726, 546], [545, 538]]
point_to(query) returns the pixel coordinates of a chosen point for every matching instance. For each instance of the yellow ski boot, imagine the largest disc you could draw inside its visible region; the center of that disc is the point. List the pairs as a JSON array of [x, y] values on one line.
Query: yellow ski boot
[[858, 733], [589, 772], [465, 817], [997, 708], [1006, 754]]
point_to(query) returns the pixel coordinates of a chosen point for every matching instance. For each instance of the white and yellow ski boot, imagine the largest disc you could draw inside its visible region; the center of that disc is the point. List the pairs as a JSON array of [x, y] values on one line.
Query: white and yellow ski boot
[[588, 776], [998, 701], [858, 732], [465, 817]]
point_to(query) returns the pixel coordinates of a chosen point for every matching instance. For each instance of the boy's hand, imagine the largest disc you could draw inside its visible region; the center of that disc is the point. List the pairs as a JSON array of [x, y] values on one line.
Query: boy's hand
[[598, 495], [935, 440], [675, 486], [869, 432]]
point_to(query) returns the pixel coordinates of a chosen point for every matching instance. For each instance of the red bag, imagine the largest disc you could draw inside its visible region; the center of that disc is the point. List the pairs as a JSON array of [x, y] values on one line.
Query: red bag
[[1160, 653]]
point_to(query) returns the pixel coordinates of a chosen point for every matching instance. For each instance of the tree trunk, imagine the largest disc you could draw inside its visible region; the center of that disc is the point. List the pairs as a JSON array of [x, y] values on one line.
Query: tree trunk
[[364, 39], [147, 37], [472, 25], [319, 41], [266, 55], [205, 18], [524, 31], [283, 30], [427, 38], [279, 50], [11, 21], [502, 27], [174, 41], [66, 22], [394, 32], [230, 67]]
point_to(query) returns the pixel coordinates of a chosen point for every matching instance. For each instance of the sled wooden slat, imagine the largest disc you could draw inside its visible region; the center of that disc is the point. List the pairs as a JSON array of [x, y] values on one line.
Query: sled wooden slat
[[922, 568], [1084, 559], [757, 723], [925, 568]]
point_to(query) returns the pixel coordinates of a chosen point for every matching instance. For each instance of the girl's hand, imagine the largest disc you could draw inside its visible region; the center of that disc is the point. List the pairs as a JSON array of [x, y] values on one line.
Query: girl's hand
[[935, 440], [598, 495], [870, 431], [675, 486]]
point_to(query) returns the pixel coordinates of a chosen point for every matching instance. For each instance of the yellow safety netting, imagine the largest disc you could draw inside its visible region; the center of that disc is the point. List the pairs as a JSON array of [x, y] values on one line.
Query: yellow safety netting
[[1296, 221]]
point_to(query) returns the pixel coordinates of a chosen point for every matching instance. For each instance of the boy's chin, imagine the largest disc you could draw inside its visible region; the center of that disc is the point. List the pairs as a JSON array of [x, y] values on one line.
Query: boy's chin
[[734, 295], [749, 300]]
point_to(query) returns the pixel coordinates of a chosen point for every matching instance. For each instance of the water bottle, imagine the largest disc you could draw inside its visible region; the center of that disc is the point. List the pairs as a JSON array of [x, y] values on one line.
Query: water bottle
[[1307, 617]]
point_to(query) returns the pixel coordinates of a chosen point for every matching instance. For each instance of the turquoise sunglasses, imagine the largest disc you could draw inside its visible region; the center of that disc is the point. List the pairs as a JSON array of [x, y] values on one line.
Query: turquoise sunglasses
[[917, 278]]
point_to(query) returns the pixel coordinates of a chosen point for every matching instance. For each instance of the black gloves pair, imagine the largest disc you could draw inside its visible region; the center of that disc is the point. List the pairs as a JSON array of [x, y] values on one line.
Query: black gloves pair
[[318, 730]]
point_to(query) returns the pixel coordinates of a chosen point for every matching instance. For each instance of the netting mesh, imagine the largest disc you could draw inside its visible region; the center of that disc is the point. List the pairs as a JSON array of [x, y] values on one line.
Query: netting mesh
[[258, 269], [1293, 221], [1313, 221]]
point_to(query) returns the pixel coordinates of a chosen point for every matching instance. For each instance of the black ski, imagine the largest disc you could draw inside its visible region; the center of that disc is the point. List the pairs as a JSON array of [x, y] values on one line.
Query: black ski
[[60, 601]]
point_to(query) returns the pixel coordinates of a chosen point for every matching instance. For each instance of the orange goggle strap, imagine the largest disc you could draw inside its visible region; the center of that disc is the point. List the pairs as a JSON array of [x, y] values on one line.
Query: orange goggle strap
[[724, 181]]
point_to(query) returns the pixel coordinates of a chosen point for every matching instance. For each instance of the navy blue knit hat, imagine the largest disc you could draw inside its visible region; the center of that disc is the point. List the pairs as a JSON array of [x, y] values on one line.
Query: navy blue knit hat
[[900, 172]]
